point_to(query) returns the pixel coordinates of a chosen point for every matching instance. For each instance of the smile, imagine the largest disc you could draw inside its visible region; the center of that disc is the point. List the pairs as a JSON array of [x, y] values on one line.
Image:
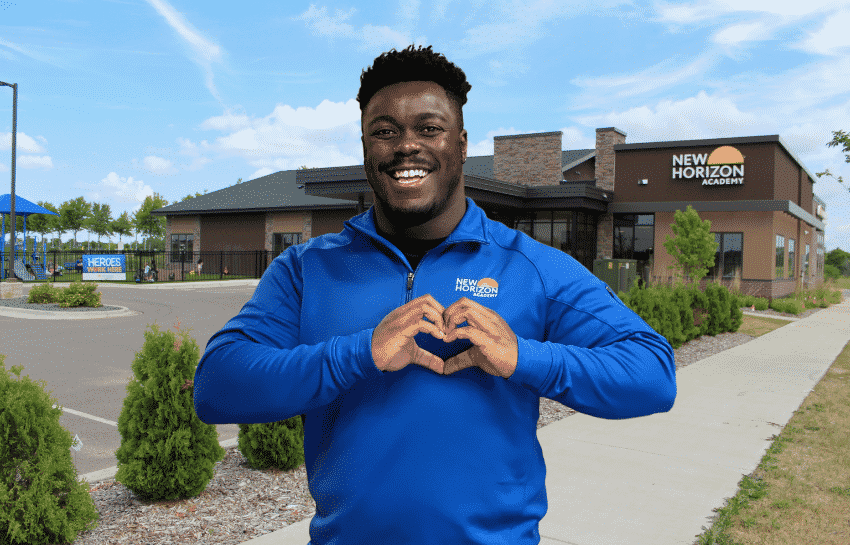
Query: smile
[[409, 177]]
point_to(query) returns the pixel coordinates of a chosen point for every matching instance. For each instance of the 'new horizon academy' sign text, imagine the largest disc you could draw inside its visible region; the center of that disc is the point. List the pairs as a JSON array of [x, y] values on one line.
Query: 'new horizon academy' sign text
[[725, 166]]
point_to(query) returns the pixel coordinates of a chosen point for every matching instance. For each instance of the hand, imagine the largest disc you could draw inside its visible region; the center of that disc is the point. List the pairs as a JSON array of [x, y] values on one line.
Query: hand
[[393, 344], [495, 346]]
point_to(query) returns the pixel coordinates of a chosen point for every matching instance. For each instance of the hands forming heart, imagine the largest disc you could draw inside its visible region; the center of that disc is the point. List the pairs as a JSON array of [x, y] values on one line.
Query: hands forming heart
[[494, 348]]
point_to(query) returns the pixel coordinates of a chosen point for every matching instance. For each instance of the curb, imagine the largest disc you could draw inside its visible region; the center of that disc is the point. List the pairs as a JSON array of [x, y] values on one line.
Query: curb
[[30, 314]]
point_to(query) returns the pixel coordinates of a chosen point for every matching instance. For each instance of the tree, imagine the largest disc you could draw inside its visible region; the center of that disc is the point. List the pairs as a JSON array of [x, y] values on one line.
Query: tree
[[39, 223], [839, 138], [100, 220], [145, 222], [839, 259], [73, 215], [187, 197], [693, 246], [122, 226]]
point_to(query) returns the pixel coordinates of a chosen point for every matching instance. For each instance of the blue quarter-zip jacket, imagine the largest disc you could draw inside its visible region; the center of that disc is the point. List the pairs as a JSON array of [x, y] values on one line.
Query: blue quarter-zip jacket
[[413, 456]]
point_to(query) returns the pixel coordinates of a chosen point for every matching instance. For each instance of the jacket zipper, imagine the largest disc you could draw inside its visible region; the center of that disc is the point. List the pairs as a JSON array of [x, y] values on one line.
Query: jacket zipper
[[409, 286]]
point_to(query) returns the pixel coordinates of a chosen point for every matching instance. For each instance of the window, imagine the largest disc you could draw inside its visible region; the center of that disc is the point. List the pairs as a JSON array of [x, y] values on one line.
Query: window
[[571, 231], [792, 262], [181, 248], [634, 236], [729, 257], [282, 241], [780, 257]]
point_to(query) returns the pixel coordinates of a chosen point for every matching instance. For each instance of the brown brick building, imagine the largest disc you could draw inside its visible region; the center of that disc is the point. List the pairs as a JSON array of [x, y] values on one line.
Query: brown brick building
[[617, 200]]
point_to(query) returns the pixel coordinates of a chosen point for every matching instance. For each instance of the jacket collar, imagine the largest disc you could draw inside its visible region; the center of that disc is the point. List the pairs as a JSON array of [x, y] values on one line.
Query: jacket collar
[[472, 227]]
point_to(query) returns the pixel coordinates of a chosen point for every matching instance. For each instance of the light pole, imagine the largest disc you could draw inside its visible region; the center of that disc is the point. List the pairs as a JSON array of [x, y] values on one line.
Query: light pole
[[14, 87]]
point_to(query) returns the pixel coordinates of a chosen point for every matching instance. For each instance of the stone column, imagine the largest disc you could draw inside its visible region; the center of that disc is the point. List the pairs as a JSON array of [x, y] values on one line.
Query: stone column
[[528, 159], [606, 139]]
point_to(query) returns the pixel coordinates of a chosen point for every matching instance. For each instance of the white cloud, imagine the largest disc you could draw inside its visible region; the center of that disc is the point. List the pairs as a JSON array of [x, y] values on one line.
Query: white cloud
[[198, 163], [369, 36], [205, 51], [118, 191], [744, 32], [701, 116], [672, 71], [33, 161], [23, 142], [158, 165], [327, 135], [831, 37]]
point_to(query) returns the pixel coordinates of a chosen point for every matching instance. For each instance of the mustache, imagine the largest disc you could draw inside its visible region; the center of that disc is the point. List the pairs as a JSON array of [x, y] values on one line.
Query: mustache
[[407, 164]]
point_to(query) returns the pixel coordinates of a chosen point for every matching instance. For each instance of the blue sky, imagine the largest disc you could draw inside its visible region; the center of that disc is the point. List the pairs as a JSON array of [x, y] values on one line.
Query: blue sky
[[119, 99]]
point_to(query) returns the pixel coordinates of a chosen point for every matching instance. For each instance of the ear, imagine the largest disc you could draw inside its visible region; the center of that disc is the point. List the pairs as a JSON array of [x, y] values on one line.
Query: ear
[[463, 143]]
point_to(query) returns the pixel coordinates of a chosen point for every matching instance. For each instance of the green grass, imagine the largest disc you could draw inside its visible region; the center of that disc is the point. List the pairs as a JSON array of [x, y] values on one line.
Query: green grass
[[800, 491]]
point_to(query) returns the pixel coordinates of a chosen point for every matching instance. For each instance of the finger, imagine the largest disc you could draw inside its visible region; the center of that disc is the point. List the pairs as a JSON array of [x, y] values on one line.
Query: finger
[[458, 363], [422, 326], [429, 299], [425, 359]]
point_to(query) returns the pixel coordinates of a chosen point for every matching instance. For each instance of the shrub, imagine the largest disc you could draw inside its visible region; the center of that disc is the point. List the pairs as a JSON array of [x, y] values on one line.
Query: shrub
[[276, 444], [831, 271], [166, 451], [719, 311], [761, 303], [746, 301], [41, 500], [79, 295], [43, 294]]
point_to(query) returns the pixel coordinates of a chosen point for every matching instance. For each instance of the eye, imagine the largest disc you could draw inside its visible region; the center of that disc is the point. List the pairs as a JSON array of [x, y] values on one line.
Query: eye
[[431, 129], [383, 133]]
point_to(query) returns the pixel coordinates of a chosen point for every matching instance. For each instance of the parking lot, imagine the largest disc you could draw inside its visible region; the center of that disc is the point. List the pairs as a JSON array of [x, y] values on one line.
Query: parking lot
[[88, 363]]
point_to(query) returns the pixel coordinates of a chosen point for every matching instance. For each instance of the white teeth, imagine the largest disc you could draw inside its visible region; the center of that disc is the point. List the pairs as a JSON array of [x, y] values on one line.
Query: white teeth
[[410, 174]]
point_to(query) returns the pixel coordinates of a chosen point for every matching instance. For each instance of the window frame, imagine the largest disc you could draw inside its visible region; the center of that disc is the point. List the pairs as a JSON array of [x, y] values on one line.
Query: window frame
[[176, 254], [779, 250], [286, 240], [719, 256]]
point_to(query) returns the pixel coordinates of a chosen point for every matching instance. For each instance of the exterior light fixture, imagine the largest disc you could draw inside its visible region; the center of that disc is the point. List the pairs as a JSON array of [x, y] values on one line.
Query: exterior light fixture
[[643, 182]]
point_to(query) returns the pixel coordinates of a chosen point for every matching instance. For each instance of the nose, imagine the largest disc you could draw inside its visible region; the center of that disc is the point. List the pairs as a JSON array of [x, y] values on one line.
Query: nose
[[409, 143]]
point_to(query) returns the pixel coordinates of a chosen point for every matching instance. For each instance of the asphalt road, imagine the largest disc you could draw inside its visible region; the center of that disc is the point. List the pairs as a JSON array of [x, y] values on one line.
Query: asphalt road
[[88, 363]]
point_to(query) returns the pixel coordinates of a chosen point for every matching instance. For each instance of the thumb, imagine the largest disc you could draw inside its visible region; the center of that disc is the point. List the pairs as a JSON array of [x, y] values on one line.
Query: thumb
[[428, 360]]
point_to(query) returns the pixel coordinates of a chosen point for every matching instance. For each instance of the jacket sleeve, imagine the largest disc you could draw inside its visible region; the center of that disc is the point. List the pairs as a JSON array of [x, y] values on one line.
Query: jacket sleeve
[[598, 357], [254, 371]]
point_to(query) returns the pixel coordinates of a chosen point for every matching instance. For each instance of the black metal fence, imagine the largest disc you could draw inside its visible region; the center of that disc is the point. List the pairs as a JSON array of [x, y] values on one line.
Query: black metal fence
[[169, 266]]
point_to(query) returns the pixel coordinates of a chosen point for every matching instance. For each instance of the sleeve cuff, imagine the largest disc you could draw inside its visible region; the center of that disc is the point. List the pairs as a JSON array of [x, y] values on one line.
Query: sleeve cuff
[[534, 362], [364, 354]]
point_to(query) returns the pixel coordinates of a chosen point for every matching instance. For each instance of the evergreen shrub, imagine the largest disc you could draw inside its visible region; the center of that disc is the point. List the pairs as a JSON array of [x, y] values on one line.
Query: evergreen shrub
[[277, 445], [43, 294], [719, 309], [746, 301], [41, 501], [166, 451], [761, 303], [79, 295]]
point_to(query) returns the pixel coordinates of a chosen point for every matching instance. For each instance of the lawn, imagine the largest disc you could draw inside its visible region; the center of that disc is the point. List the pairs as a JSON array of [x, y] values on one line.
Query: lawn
[[800, 492]]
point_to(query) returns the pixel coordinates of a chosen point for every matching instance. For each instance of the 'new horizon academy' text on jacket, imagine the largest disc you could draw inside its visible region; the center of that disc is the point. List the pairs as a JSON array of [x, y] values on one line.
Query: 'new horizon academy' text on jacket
[[413, 456]]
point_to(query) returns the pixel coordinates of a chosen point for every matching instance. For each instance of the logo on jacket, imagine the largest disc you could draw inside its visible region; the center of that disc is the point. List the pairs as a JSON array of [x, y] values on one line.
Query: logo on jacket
[[486, 287]]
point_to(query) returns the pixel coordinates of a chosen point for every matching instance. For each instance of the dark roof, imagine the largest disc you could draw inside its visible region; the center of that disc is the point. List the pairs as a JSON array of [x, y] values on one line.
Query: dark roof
[[482, 165], [279, 190], [270, 192]]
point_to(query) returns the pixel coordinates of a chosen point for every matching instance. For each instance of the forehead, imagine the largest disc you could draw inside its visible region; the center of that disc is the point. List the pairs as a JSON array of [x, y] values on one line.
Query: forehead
[[410, 97]]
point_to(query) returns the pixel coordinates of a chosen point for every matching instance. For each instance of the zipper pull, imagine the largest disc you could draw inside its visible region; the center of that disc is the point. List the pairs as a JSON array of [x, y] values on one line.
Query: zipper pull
[[409, 281]]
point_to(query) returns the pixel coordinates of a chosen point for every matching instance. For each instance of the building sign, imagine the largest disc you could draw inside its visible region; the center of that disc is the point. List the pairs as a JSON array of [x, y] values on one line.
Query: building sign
[[105, 267], [724, 166]]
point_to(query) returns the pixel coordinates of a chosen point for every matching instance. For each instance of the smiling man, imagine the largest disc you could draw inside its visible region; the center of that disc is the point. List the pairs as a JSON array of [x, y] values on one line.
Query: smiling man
[[418, 341]]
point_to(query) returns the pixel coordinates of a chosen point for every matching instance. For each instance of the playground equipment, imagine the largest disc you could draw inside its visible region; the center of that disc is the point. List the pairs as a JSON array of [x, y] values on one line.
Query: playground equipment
[[26, 271]]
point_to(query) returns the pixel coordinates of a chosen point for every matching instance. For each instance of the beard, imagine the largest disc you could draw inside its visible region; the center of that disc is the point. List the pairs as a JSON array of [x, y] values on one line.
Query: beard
[[415, 214]]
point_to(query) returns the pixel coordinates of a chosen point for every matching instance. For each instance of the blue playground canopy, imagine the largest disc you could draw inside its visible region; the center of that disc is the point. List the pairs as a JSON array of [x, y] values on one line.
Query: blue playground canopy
[[23, 208]]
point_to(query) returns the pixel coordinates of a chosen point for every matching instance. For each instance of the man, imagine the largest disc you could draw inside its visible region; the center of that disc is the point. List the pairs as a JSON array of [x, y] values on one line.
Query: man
[[419, 340]]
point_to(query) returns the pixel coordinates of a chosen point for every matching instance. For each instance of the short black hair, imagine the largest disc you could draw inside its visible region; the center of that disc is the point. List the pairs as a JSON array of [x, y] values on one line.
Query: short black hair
[[422, 64]]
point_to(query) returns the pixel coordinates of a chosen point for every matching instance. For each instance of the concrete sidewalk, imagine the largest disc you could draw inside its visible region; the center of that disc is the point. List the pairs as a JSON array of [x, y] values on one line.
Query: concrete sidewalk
[[658, 478]]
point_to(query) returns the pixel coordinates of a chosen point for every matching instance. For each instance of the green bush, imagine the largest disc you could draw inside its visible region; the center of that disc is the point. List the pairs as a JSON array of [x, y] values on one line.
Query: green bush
[[166, 451], [761, 303], [41, 501], [746, 301], [43, 294], [831, 271], [276, 444], [789, 306], [719, 310], [79, 295]]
